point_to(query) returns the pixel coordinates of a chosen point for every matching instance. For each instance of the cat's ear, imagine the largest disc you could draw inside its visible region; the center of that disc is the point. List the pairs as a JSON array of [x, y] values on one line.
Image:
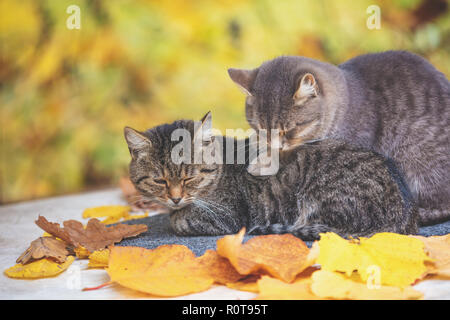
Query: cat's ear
[[205, 128], [307, 87], [135, 139], [243, 78]]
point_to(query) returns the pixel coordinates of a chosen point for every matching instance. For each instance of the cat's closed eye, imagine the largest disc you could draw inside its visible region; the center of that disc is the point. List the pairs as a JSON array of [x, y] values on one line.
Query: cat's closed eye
[[188, 179], [160, 181]]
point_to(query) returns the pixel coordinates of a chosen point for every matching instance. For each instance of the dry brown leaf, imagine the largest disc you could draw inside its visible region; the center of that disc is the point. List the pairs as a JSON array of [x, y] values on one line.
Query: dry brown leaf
[[53, 229], [45, 247], [438, 249], [169, 270], [127, 187], [94, 237], [282, 256]]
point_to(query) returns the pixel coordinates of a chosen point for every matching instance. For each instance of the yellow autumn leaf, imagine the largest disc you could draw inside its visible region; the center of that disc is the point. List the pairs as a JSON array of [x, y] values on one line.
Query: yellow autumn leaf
[[329, 284], [398, 259], [169, 270], [81, 252], [99, 259], [42, 268], [112, 212], [135, 216], [438, 249], [115, 219], [300, 289]]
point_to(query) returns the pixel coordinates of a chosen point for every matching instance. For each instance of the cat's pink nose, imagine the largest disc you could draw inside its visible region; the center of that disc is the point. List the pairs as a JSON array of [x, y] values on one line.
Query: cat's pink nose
[[175, 200]]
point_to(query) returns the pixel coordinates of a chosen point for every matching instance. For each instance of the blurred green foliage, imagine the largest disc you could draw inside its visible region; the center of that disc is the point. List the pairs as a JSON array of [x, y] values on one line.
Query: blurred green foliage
[[66, 95]]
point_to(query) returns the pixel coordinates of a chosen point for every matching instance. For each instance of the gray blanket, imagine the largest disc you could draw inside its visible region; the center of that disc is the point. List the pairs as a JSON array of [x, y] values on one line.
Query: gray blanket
[[159, 233]]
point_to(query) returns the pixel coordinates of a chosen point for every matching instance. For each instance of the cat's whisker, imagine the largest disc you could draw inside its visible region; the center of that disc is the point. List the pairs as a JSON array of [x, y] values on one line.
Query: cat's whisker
[[206, 206], [215, 205], [203, 206], [315, 140]]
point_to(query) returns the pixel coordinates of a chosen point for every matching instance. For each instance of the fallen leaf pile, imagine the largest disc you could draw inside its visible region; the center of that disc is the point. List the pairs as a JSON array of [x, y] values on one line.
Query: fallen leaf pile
[[384, 266], [94, 237], [50, 255], [283, 267]]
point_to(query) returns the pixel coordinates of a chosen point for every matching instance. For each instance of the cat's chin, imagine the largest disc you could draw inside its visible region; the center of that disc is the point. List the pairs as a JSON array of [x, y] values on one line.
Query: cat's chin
[[175, 207]]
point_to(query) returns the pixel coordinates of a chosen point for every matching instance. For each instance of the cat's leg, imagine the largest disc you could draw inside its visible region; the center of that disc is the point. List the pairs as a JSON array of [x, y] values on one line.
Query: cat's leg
[[309, 232], [198, 221], [427, 177], [429, 216]]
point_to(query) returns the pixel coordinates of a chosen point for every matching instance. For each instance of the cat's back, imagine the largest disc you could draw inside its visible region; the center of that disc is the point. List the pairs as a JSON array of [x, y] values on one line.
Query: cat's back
[[334, 161], [395, 63], [395, 98]]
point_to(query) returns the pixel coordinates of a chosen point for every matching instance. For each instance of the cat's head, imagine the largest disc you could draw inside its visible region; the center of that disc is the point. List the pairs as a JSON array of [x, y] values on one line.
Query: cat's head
[[156, 169], [288, 94]]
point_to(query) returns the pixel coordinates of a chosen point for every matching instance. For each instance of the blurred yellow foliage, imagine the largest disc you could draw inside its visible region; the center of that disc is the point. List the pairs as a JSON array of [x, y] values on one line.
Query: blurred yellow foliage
[[67, 94]]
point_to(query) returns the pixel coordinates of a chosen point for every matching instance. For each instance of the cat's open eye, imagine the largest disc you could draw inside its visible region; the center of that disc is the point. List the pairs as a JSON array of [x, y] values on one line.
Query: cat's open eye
[[160, 181]]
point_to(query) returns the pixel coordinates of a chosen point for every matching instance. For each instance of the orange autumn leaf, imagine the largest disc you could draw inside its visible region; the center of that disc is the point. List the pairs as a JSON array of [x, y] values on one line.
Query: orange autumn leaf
[[169, 270], [330, 284], [219, 268], [438, 249], [249, 283], [127, 187], [282, 256]]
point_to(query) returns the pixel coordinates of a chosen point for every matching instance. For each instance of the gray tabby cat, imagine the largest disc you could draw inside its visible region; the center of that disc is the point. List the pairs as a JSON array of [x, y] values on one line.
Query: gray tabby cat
[[320, 187], [395, 103]]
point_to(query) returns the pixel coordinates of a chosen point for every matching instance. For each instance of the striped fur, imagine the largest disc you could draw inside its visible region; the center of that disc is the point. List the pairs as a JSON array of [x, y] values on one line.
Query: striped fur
[[322, 186], [395, 103]]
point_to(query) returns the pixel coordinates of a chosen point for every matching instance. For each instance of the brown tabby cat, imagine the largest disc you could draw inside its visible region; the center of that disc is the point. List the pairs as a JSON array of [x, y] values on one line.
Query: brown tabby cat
[[395, 103], [320, 187]]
